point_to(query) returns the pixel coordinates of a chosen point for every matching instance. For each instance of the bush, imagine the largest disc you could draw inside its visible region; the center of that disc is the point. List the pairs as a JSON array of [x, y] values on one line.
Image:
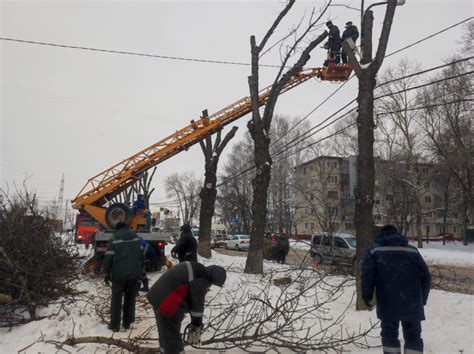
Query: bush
[[36, 265]]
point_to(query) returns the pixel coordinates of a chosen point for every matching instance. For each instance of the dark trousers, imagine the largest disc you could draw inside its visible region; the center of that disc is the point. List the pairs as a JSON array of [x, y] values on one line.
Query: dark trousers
[[411, 335], [344, 57], [169, 333], [281, 257], [128, 290]]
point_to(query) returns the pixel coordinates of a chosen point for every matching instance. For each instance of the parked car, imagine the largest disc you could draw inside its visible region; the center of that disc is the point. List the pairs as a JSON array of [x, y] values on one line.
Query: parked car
[[218, 241], [338, 248], [238, 242]]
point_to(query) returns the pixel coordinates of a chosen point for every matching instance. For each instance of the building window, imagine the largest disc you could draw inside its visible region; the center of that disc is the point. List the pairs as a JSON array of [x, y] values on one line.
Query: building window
[[304, 170], [427, 198], [377, 217], [389, 197], [349, 226], [429, 215], [312, 226], [306, 226], [332, 179], [332, 164], [332, 210], [313, 211], [377, 201], [455, 229], [426, 185], [333, 194]]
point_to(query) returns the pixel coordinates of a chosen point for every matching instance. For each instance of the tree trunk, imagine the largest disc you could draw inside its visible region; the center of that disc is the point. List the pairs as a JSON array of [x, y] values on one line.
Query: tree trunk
[[260, 183], [208, 193], [208, 200], [365, 173]]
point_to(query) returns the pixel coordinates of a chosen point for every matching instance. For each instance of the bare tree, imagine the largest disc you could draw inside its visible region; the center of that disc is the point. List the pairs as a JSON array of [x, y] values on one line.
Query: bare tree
[[260, 124], [407, 142], [448, 127], [184, 187], [366, 74], [208, 192]]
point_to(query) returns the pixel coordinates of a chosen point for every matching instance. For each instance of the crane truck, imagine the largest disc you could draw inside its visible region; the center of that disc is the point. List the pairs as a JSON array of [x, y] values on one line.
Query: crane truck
[[95, 198]]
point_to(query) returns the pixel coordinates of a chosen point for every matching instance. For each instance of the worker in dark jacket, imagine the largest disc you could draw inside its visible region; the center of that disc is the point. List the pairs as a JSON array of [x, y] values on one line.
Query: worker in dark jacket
[[351, 32], [282, 247], [124, 267], [186, 247], [401, 280], [333, 45], [182, 289]]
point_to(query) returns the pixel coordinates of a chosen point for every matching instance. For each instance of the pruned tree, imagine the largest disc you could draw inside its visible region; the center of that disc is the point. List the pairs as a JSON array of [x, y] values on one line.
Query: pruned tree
[[141, 186], [184, 187], [364, 196], [260, 124], [208, 192]]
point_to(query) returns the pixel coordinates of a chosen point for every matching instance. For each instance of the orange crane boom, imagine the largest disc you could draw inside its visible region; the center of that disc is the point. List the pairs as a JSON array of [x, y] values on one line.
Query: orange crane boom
[[106, 185]]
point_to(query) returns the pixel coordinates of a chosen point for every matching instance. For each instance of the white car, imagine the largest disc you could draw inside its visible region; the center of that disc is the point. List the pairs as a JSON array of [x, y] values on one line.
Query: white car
[[238, 242]]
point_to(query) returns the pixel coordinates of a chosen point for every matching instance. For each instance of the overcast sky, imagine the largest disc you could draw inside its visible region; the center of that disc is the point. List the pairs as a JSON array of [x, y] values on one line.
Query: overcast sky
[[79, 112]]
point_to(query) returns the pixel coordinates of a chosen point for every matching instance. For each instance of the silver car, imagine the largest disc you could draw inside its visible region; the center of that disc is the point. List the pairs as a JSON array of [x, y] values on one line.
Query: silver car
[[338, 249], [238, 242]]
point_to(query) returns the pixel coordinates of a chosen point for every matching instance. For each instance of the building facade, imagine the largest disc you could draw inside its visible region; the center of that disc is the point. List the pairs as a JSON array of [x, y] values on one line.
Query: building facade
[[411, 197]]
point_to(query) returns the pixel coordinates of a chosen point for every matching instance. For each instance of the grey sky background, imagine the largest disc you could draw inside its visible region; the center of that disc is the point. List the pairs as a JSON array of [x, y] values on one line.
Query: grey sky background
[[80, 112]]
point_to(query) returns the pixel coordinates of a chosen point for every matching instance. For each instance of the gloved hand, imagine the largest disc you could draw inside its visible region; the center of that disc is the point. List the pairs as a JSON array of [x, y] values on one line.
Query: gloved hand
[[107, 280], [174, 254], [195, 335]]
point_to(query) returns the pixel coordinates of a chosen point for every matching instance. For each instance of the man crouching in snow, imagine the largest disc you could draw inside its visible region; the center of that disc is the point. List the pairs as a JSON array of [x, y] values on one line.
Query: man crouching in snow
[[401, 281], [182, 289]]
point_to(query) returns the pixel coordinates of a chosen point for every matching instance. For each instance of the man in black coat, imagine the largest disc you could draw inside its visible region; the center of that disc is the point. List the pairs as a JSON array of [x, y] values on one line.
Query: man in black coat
[[123, 265], [179, 290], [401, 280], [351, 32], [186, 247], [334, 42]]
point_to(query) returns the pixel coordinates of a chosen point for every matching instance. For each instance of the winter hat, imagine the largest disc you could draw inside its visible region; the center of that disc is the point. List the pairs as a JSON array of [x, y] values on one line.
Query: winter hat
[[186, 228], [329, 23], [389, 229], [216, 274]]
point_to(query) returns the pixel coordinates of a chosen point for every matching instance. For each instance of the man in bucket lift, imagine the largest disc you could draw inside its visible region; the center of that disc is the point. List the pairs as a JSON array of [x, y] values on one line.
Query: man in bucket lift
[[351, 32], [333, 45]]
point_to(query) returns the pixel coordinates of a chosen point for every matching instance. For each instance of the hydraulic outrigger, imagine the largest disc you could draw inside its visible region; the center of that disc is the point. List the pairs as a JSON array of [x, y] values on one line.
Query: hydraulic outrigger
[[102, 188]]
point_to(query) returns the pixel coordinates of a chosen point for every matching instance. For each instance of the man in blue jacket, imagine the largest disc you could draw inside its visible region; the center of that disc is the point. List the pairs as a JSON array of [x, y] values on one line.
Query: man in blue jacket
[[401, 280]]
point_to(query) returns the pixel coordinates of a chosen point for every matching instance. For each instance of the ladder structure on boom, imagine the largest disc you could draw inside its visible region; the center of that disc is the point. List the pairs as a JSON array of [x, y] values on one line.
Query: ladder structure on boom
[[103, 187]]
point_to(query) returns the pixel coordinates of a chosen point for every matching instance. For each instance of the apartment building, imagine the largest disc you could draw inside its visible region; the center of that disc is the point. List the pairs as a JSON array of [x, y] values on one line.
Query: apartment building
[[325, 199]]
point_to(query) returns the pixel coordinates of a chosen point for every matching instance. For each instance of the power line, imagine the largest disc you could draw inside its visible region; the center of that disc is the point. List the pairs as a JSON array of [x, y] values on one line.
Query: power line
[[156, 56], [425, 107], [428, 37]]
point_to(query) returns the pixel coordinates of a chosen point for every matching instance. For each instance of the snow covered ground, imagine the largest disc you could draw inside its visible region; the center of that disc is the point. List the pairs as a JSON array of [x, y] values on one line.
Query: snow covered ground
[[451, 254], [450, 316]]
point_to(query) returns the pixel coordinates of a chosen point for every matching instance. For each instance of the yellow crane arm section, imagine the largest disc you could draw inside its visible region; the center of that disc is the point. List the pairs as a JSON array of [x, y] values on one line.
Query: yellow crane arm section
[[111, 182]]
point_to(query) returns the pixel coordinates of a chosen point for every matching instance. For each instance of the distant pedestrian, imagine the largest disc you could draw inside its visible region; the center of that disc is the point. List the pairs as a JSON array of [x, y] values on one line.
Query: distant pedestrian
[[351, 32], [282, 247], [186, 246], [182, 289], [401, 281], [123, 266]]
